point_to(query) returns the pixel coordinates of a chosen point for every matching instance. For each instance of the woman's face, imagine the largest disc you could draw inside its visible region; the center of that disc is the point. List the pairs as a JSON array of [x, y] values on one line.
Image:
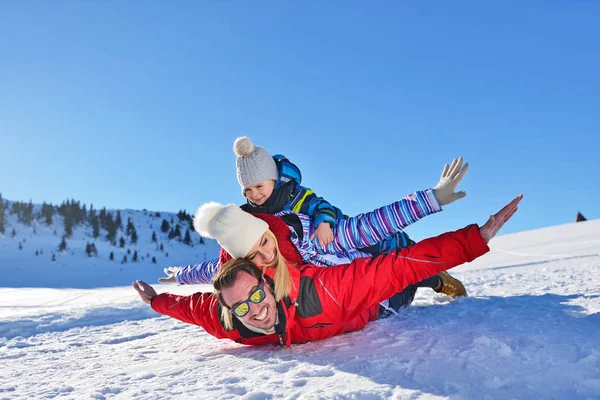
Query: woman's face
[[264, 251]]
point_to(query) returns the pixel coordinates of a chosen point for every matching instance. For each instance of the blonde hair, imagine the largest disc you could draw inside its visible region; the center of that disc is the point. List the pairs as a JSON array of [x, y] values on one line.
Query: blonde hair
[[225, 277]]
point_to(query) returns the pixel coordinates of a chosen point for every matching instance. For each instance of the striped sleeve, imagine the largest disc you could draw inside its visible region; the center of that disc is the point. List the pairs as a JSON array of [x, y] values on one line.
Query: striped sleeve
[[367, 229], [197, 273]]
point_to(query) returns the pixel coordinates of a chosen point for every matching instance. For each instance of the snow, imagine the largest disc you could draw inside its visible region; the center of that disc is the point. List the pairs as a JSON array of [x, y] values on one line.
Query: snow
[[530, 328]]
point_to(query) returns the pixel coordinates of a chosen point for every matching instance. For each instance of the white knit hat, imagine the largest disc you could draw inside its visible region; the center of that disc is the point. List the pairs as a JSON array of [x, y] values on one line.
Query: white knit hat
[[253, 163], [236, 230]]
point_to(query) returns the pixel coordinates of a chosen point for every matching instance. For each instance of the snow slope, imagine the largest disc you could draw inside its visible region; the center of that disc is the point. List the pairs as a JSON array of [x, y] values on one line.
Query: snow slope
[[529, 329]]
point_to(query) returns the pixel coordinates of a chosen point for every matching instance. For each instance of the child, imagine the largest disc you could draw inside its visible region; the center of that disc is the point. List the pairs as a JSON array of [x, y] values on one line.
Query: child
[[273, 184]]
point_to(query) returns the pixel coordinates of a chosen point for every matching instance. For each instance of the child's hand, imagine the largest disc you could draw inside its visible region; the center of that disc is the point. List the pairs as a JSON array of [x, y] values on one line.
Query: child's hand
[[324, 233]]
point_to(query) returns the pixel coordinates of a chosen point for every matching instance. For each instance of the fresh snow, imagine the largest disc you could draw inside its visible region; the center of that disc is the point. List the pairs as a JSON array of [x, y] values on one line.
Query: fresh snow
[[530, 329]]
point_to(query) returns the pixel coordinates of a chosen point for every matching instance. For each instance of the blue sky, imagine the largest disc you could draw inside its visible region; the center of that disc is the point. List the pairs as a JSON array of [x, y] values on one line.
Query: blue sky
[[136, 104]]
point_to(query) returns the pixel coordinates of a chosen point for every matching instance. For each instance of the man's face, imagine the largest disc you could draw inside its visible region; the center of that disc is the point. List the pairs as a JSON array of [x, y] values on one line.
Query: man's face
[[260, 192], [261, 315]]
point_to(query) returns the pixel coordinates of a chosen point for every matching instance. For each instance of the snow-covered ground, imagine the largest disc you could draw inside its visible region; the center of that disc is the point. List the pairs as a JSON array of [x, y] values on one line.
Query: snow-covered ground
[[530, 329]]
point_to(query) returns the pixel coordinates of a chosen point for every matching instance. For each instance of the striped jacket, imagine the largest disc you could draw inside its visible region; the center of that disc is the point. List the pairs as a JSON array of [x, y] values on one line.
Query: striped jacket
[[350, 234]]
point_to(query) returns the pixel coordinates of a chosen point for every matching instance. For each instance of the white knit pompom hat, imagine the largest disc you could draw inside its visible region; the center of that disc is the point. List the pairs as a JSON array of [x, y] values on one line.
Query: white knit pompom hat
[[236, 230], [253, 163]]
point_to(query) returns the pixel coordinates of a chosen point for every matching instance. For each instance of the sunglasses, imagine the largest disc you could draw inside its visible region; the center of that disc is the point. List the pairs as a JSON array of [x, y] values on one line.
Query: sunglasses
[[255, 297]]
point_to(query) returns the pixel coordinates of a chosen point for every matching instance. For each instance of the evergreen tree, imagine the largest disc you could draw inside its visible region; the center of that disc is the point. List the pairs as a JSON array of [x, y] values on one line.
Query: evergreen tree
[[14, 232], [111, 257], [111, 229], [201, 240], [53, 257], [162, 248], [164, 227], [188, 239], [153, 260], [2, 228], [47, 212], [63, 245], [95, 226], [90, 249], [124, 260], [84, 213], [20, 246], [122, 242], [129, 227], [134, 236], [37, 252], [135, 256], [154, 237], [118, 220]]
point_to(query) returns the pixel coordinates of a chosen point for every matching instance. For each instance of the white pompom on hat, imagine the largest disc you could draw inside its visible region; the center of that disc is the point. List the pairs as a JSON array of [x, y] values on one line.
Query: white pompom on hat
[[253, 163], [236, 230]]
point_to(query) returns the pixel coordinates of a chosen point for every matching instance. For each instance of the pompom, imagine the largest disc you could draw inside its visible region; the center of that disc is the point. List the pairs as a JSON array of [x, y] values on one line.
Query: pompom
[[206, 212], [243, 147]]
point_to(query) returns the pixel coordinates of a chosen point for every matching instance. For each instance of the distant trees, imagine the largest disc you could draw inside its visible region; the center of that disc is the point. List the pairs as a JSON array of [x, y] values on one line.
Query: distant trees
[[187, 239], [90, 249], [154, 237], [47, 213], [164, 227], [111, 257], [63, 245], [2, 228]]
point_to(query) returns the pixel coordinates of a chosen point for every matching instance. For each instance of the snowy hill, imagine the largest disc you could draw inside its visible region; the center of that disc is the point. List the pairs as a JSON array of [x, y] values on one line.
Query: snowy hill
[[30, 255], [530, 329]]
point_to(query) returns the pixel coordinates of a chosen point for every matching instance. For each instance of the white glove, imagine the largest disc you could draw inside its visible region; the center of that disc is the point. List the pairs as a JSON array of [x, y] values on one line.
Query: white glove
[[171, 272], [444, 191]]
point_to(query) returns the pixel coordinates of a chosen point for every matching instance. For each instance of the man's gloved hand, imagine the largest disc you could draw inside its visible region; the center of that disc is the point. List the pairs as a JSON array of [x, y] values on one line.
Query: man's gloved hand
[[444, 191], [170, 272]]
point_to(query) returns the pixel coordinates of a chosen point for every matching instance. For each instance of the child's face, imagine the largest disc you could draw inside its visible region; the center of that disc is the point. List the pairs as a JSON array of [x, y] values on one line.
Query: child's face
[[260, 192]]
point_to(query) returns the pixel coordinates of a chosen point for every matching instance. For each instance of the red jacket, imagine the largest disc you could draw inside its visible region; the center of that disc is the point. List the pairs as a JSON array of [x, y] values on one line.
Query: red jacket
[[334, 300]]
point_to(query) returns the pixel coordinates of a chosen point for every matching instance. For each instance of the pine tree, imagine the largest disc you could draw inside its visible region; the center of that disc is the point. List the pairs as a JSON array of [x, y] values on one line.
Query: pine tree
[[20, 246], [129, 227], [2, 228], [124, 260], [135, 256], [13, 233], [188, 239], [153, 260], [162, 248], [201, 240], [37, 252], [53, 257], [122, 242], [134, 236], [118, 220], [164, 227], [154, 237], [111, 229], [95, 226], [111, 257], [63, 245]]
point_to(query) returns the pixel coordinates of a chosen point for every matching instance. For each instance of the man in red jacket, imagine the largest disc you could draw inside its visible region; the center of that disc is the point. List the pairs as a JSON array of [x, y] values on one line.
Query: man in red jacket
[[326, 301]]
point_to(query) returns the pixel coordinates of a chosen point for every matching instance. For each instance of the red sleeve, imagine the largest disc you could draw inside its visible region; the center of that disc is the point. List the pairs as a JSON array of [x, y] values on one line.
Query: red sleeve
[[365, 282], [198, 309]]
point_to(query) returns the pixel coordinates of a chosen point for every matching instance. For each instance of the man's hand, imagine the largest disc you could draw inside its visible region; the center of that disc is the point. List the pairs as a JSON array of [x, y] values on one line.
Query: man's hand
[[452, 174], [324, 233], [171, 272], [145, 291], [493, 225]]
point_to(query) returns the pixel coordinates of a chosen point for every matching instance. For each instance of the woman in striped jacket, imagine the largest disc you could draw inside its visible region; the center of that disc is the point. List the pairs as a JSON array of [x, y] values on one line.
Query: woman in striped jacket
[[354, 233]]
